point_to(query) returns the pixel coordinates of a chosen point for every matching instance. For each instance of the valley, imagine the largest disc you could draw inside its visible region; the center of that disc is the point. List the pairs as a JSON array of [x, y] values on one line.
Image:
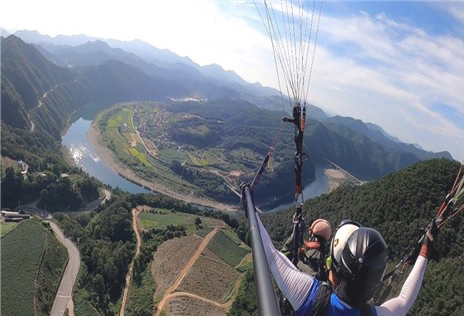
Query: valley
[[168, 145]]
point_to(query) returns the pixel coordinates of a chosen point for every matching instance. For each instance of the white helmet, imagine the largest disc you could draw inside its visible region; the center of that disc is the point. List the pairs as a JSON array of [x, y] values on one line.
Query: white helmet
[[343, 232]]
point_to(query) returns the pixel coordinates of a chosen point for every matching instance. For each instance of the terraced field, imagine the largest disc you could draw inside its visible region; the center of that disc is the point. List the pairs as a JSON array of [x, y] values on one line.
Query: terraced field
[[227, 249], [169, 260], [209, 278], [185, 305]]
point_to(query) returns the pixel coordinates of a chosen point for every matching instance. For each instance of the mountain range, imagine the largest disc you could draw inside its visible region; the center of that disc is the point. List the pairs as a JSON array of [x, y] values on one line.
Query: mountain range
[[43, 82]]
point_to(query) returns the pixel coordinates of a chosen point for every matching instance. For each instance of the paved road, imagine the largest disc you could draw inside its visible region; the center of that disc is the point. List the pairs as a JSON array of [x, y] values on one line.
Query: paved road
[[69, 277]]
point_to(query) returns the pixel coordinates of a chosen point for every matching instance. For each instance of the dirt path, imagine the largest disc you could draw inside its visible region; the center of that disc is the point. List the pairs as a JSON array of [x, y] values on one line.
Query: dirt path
[[204, 299], [70, 307], [107, 155], [184, 271], [135, 215]]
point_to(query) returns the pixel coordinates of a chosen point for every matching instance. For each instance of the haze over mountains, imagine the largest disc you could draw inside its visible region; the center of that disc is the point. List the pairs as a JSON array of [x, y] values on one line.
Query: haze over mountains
[[74, 71]]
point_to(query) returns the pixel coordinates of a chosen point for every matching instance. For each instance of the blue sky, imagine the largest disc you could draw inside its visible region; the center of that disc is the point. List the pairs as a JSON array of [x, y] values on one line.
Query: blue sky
[[398, 64]]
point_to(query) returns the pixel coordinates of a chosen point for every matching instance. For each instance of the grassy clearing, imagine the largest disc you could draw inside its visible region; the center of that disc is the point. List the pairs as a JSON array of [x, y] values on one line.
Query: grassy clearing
[[198, 130], [21, 253], [8, 162], [164, 218], [172, 154], [226, 249], [5, 228]]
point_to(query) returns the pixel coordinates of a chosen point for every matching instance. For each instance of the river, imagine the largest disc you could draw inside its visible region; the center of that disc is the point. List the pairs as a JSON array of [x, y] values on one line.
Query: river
[[319, 186], [85, 156]]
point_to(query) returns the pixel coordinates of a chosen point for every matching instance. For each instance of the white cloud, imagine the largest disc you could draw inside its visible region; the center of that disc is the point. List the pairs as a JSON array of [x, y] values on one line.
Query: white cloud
[[454, 8], [401, 69]]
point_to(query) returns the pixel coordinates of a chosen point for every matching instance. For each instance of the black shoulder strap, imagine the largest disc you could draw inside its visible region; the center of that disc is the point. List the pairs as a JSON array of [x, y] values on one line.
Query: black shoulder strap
[[368, 310], [322, 301]]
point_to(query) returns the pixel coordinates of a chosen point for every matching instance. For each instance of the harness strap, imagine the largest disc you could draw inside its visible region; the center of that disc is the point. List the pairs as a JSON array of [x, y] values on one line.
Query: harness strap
[[322, 302]]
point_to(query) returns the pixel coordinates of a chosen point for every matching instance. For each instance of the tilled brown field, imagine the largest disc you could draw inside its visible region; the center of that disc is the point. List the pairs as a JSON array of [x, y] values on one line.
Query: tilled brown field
[[210, 279], [184, 305], [169, 260]]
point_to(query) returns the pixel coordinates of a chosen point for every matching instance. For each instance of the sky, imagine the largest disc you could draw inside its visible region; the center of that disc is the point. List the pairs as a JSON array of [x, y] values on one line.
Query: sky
[[397, 64]]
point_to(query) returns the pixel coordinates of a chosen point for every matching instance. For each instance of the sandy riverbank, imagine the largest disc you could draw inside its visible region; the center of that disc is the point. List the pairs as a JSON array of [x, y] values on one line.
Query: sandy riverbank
[[336, 178], [112, 162]]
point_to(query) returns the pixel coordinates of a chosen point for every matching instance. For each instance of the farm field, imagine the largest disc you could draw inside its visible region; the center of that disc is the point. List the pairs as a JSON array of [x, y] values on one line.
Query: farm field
[[204, 231], [169, 260], [23, 275], [23, 247], [185, 305], [5, 228], [210, 254], [227, 249], [209, 278], [162, 218], [118, 134], [185, 152]]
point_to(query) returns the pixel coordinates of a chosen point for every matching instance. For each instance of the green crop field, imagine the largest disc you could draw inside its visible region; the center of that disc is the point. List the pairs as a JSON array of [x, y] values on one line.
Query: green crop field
[[172, 154], [134, 152], [22, 274], [204, 231], [5, 228], [226, 249], [166, 217], [21, 253]]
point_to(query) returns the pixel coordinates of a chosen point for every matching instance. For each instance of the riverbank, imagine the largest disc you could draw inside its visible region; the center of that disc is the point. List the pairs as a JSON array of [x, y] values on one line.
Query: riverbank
[[111, 161], [336, 178]]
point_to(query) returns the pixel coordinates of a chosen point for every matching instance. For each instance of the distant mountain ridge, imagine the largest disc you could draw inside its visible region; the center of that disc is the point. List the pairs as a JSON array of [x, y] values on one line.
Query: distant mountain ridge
[[188, 71], [27, 77], [378, 135], [119, 75]]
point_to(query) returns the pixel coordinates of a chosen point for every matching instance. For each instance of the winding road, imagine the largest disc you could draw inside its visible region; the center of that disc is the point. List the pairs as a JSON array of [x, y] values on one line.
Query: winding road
[[64, 295]]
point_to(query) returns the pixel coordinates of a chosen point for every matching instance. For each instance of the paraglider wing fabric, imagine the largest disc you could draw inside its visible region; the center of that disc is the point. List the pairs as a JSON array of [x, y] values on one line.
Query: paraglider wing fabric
[[294, 284], [400, 305]]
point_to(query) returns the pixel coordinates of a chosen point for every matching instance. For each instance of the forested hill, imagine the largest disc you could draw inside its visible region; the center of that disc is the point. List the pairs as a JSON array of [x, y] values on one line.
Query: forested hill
[[348, 125], [397, 205], [35, 91], [254, 127]]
